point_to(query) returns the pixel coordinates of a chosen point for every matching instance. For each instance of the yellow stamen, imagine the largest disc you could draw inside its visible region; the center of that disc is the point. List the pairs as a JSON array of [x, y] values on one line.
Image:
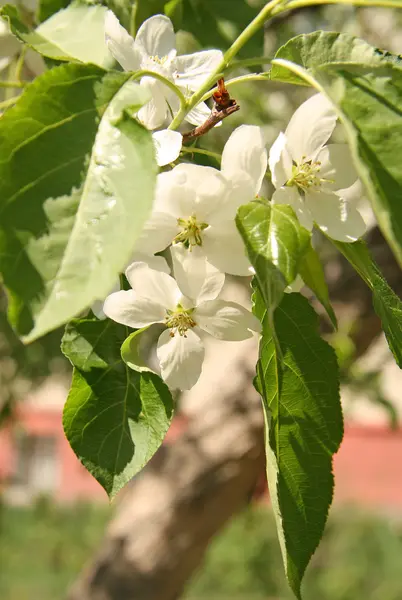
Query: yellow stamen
[[191, 233], [179, 320]]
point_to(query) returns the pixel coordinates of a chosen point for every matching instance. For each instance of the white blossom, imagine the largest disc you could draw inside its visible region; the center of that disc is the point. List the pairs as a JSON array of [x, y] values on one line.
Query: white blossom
[[317, 180], [154, 262], [153, 49], [197, 206], [185, 306]]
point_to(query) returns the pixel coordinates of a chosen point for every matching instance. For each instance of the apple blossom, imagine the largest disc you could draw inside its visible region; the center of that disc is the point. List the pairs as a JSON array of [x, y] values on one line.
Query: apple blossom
[[317, 180], [197, 206], [185, 306], [154, 50]]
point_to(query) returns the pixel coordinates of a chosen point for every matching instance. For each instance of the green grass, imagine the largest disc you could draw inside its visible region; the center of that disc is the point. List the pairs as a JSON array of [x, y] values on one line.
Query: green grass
[[43, 548]]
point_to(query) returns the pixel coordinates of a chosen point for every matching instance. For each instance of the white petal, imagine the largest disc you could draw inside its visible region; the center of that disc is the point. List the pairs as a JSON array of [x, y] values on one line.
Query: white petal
[[245, 151], [157, 233], [335, 216], [121, 44], [97, 306], [226, 320], [199, 114], [167, 145], [180, 359], [290, 196], [205, 185], [127, 308], [196, 277], [295, 286], [337, 167], [153, 285], [157, 263], [153, 114], [310, 127], [224, 248], [194, 69], [156, 36], [280, 161]]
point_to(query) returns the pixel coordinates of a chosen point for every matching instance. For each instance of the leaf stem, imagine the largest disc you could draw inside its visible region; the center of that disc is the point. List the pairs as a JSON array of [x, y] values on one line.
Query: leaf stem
[[240, 79], [270, 9], [249, 62], [167, 82], [293, 4], [8, 102], [13, 84], [190, 150]]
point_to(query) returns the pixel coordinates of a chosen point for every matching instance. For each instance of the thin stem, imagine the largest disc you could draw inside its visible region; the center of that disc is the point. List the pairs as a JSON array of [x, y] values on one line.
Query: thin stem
[[20, 64], [13, 84], [293, 4], [215, 155], [169, 84], [9, 102], [240, 79], [265, 13], [249, 62]]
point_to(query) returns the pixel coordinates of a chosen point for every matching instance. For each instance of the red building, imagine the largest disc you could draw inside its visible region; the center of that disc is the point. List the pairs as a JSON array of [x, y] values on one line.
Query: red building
[[35, 458]]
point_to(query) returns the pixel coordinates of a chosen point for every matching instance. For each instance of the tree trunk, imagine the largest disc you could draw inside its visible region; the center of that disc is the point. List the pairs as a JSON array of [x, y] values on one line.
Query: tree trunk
[[184, 497]]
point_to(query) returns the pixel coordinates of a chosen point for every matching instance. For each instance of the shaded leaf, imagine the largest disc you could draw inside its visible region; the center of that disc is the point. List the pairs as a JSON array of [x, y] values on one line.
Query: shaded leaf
[[114, 418], [312, 273], [386, 303], [303, 416]]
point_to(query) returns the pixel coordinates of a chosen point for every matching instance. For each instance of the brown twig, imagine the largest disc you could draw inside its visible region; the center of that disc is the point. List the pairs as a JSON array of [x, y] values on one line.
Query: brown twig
[[224, 106]]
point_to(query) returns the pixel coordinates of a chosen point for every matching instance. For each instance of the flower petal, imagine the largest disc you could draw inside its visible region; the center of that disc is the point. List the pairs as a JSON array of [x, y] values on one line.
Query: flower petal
[[245, 151], [157, 233], [127, 308], [194, 69], [337, 167], [280, 161], [195, 276], [338, 218], [290, 196], [310, 127], [224, 248], [154, 112], [152, 285], [97, 306], [157, 263], [167, 145], [226, 320], [156, 36], [121, 44], [199, 114], [180, 359]]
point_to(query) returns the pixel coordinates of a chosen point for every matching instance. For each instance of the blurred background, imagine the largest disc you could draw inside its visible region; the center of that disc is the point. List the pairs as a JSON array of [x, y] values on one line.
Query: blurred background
[[197, 522]]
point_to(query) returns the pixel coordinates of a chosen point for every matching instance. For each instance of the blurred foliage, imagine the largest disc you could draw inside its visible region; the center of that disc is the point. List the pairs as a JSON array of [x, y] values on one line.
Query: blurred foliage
[[43, 548]]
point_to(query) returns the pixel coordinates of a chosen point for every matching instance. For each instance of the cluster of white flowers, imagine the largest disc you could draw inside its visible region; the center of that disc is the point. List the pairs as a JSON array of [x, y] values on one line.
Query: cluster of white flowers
[[195, 206]]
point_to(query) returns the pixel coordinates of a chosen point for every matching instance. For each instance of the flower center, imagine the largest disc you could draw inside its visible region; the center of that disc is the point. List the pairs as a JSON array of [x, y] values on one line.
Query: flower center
[[306, 175], [159, 60], [179, 320], [191, 232]]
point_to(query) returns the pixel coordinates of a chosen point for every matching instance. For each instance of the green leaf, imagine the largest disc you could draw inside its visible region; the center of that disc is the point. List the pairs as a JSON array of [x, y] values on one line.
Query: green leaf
[[368, 100], [73, 34], [131, 351], [386, 303], [47, 8], [312, 273], [114, 418], [275, 243], [322, 48], [75, 191], [304, 427]]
